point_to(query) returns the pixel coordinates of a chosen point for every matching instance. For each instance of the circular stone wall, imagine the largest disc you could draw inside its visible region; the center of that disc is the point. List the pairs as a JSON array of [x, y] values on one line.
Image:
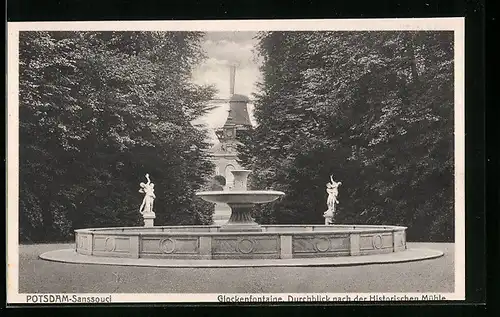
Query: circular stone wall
[[274, 242]]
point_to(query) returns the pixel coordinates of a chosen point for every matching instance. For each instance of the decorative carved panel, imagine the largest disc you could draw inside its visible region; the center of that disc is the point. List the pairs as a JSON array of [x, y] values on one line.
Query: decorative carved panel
[[375, 241], [150, 245], [245, 245], [167, 245], [100, 243], [320, 243], [110, 244], [170, 245], [122, 244]]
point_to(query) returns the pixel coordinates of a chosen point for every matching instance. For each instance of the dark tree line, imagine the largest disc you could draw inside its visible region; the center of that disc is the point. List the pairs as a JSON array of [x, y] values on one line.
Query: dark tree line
[[375, 109], [99, 110]]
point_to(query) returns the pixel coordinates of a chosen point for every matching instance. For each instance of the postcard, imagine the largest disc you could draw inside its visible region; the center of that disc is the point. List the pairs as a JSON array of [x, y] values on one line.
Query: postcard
[[248, 161]]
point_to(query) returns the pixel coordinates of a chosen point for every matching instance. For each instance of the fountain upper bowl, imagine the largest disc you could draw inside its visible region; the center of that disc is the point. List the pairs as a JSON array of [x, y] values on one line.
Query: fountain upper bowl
[[241, 197]]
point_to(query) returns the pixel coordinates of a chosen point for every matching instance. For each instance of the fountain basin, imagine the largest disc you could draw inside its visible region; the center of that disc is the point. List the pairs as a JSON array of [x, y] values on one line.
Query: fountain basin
[[241, 196], [209, 242]]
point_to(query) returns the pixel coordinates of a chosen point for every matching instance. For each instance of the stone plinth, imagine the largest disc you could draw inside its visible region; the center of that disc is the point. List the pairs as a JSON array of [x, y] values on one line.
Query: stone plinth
[[149, 220]]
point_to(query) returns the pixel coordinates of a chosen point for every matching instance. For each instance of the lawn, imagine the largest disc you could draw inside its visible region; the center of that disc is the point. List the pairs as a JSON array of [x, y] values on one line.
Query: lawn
[[39, 276]]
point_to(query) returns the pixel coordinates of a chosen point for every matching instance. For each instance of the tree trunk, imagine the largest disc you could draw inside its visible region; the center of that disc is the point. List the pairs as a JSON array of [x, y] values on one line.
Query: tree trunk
[[413, 61], [47, 218]]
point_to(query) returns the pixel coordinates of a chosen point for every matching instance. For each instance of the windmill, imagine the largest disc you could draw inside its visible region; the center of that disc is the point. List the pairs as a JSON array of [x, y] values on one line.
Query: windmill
[[238, 118], [224, 153], [232, 78]]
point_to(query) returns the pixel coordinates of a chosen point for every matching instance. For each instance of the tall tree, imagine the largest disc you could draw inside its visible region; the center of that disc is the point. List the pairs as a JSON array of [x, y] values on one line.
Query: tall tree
[[99, 110], [375, 109]]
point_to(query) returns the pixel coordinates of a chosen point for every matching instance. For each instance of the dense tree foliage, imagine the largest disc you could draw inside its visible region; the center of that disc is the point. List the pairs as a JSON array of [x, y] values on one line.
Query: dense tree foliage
[[99, 110], [375, 109]]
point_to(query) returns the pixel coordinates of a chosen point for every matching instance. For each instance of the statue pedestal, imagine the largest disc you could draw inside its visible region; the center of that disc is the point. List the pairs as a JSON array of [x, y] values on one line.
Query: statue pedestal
[[149, 220], [328, 217]]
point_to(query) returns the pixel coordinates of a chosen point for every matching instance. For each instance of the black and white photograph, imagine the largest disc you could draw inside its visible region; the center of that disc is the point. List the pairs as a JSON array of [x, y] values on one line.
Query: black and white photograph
[[236, 161]]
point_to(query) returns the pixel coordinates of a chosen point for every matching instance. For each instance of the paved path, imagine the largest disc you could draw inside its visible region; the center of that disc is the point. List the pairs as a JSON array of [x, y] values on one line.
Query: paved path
[[38, 276], [70, 256]]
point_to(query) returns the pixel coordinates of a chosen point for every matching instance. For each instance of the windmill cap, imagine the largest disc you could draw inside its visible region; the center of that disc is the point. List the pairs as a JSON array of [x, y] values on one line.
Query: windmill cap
[[239, 98]]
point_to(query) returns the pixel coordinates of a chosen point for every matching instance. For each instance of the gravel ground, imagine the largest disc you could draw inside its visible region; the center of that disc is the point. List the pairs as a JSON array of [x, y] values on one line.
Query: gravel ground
[[39, 276]]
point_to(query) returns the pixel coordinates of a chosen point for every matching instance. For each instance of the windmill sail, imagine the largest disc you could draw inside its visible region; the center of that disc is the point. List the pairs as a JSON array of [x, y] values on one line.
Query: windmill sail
[[238, 105], [232, 76]]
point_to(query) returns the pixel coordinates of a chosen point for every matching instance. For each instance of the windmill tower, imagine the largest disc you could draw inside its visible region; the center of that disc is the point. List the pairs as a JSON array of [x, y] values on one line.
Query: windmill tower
[[224, 154], [238, 106]]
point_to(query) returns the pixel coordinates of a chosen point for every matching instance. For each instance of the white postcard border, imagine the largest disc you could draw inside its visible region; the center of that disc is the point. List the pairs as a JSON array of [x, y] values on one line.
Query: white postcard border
[[434, 24]]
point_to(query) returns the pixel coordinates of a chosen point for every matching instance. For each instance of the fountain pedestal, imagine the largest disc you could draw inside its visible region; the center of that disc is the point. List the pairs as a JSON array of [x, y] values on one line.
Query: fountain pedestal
[[241, 201], [241, 219]]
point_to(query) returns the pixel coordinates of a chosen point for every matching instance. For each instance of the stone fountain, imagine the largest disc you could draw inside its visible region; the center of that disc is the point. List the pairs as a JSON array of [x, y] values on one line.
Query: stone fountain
[[241, 239], [241, 201]]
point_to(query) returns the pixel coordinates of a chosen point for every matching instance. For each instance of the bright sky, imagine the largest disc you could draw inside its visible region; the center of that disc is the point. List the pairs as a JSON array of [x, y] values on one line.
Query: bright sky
[[224, 49]]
